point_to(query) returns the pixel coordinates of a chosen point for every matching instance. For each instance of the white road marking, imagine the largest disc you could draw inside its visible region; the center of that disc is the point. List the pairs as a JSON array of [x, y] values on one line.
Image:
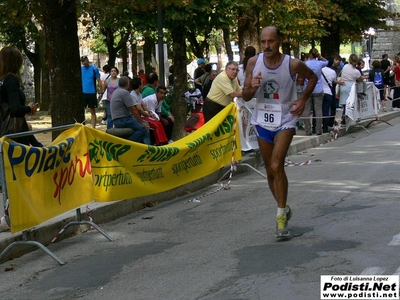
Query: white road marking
[[395, 241], [373, 271]]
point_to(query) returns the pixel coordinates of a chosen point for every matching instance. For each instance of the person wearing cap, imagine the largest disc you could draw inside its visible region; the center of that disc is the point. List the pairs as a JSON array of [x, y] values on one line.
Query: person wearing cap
[[224, 88], [201, 63], [203, 79], [90, 75]]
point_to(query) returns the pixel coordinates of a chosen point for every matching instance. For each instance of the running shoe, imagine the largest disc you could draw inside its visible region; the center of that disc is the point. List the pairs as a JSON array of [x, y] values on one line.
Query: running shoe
[[282, 230]]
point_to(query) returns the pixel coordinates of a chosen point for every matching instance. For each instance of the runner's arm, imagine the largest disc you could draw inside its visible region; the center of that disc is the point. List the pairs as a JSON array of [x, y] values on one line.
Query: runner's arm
[[298, 67]]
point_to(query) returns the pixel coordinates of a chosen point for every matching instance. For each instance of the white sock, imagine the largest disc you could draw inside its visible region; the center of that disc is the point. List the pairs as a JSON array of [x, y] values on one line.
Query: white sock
[[281, 211]]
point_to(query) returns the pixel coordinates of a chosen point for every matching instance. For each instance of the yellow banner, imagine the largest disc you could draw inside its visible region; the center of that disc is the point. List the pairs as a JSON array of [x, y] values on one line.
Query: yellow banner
[[45, 182], [85, 164], [125, 170]]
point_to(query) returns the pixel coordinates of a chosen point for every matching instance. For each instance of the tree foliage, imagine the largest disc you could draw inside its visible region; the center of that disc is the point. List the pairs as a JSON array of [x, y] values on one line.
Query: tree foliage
[[350, 20], [21, 28], [114, 19]]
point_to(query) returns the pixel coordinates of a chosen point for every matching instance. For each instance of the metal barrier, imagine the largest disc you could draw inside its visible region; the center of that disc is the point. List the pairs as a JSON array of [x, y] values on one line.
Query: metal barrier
[[362, 105], [25, 233], [79, 221]]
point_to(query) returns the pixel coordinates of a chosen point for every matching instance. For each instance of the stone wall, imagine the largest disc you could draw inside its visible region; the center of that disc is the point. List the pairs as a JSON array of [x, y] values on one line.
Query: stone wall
[[387, 42]]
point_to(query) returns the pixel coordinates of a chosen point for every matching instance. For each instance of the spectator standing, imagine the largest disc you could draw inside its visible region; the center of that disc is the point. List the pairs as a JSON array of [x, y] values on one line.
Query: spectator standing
[[315, 62], [203, 79], [142, 76], [343, 62], [396, 91], [334, 64], [350, 75], [224, 88], [361, 86], [329, 76], [376, 75], [110, 85], [270, 76], [201, 63], [11, 61], [103, 77], [90, 75], [124, 113], [249, 52], [207, 86], [386, 66]]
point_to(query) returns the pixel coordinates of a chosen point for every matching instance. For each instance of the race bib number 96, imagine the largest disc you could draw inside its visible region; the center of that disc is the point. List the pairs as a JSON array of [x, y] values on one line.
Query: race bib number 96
[[269, 115]]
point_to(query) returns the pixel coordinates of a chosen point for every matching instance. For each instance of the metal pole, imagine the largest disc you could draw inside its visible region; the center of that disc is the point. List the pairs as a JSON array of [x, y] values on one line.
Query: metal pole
[[370, 49], [160, 46]]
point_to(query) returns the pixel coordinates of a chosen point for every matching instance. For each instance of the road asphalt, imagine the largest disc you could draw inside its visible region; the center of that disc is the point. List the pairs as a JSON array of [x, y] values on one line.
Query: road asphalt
[[43, 234]]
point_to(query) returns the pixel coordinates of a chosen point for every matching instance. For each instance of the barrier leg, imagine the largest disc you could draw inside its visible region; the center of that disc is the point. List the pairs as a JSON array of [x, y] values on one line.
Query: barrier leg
[[246, 165], [378, 120], [79, 221], [356, 125], [26, 242]]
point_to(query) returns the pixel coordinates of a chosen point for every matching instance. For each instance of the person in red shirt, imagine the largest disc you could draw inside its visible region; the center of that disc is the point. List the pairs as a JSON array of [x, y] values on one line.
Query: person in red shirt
[[396, 92], [142, 75]]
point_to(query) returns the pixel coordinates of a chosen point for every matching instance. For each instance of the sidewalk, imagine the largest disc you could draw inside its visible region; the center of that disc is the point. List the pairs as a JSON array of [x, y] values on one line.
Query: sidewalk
[[106, 212]]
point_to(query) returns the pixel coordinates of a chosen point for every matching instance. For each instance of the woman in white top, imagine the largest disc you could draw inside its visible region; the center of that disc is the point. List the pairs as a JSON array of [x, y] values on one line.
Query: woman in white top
[[249, 52], [350, 74], [109, 86]]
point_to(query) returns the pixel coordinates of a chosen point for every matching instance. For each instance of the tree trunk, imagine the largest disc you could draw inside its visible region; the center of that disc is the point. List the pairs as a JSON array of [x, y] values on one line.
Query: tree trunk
[[221, 53], [179, 106], [134, 59], [330, 44], [62, 61], [123, 51], [37, 58], [286, 48], [147, 52], [44, 83], [227, 40], [124, 56], [42, 78], [112, 51], [194, 44], [249, 29]]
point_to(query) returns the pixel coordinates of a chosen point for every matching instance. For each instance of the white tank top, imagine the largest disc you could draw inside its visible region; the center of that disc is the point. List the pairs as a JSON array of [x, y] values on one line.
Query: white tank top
[[277, 90]]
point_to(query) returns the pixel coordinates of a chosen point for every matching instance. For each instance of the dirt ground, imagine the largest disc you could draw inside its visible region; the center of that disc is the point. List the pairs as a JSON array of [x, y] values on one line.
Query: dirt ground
[[42, 120]]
